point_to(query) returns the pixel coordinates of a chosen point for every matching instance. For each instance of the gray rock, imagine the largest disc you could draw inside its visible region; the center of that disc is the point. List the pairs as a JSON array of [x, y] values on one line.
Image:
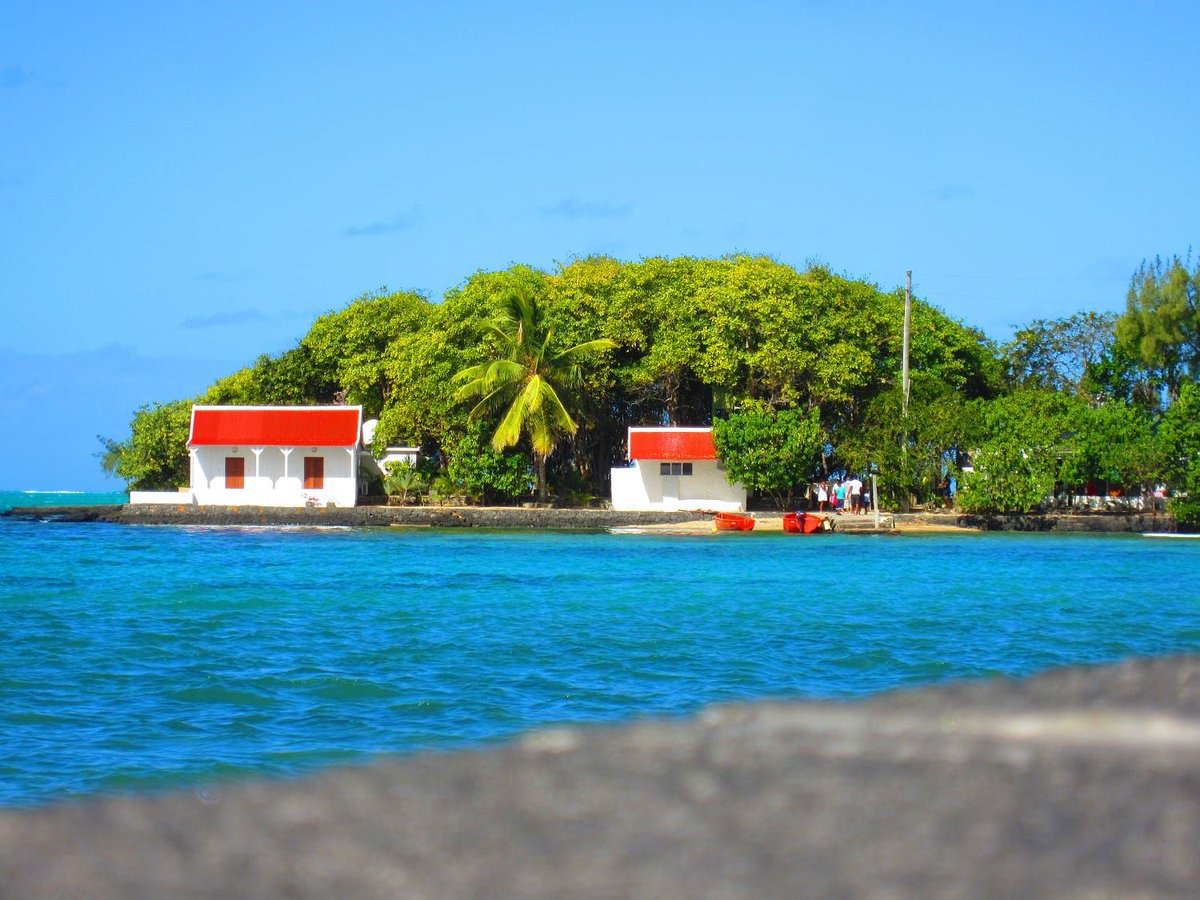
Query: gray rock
[[358, 516]]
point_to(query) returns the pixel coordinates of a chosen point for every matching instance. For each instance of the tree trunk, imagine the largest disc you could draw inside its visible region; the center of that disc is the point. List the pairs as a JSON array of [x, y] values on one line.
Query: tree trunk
[[541, 476]]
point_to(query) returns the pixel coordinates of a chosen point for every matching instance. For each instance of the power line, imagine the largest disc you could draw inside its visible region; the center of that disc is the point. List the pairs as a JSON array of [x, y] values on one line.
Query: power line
[[1059, 278], [991, 297]]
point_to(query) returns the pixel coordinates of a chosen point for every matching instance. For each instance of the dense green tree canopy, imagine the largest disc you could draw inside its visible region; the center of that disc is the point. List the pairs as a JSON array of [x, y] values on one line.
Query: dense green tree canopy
[[808, 357]]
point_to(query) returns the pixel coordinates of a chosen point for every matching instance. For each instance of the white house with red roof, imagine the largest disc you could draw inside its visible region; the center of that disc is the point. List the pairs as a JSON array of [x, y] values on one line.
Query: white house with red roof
[[270, 456], [275, 455], [674, 468]]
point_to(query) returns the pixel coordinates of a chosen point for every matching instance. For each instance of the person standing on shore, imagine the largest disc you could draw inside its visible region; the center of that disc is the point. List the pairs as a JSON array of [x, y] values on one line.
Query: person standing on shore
[[822, 495], [854, 494]]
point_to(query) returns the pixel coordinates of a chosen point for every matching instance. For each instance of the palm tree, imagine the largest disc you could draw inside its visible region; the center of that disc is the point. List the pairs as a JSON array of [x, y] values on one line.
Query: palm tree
[[528, 376]]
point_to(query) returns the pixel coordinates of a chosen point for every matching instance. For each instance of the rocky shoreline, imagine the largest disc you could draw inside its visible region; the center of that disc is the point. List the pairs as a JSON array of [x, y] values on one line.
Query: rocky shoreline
[[1112, 523], [581, 519], [357, 516]]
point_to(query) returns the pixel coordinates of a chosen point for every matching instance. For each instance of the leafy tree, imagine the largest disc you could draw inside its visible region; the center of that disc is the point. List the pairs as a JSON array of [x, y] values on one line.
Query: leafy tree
[[1161, 324], [624, 302], [1117, 375], [293, 378], [351, 345], [155, 456], [1114, 443], [778, 336], [1054, 354], [768, 450], [418, 365], [237, 388], [668, 372], [1020, 440], [526, 376], [910, 453], [648, 309], [478, 470], [420, 408], [1179, 433]]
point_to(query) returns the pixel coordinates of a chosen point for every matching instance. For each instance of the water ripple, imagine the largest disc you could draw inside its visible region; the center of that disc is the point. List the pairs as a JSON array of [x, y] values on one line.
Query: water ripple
[[144, 658]]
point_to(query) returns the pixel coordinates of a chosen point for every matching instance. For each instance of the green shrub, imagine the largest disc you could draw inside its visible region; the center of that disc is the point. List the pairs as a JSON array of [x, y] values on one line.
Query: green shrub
[[403, 480]]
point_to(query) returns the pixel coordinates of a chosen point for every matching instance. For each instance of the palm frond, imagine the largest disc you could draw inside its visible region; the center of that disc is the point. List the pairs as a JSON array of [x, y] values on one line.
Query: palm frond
[[546, 414], [470, 373], [518, 316], [486, 405], [555, 411], [505, 337], [508, 432], [487, 378], [573, 353]]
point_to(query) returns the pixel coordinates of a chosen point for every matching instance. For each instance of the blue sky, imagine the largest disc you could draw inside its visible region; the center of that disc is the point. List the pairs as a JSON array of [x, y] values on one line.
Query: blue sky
[[184, 186]]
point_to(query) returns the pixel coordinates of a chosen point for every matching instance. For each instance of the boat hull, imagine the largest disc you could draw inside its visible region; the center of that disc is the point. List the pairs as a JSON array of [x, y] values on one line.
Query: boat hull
[[805, 523], [732, 522]]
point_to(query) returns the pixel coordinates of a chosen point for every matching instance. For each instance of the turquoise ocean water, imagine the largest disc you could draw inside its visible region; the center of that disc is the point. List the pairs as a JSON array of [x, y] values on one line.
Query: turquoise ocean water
[[137, 658]]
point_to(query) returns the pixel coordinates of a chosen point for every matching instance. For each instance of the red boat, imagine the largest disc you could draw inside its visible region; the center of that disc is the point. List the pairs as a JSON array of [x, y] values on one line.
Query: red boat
[[806, 523], [726, 521]]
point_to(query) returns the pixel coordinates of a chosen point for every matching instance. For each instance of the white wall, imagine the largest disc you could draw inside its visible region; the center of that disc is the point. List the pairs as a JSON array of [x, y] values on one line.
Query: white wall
[[641, 487], [266, 483], [172, 498], [392, 454]]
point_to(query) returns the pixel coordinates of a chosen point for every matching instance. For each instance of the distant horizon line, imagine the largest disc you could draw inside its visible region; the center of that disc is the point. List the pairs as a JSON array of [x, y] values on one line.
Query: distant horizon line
[[64, 491]]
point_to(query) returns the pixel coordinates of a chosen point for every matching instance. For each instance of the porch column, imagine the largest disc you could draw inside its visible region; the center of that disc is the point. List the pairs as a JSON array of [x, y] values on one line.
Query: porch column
[[287, 452]]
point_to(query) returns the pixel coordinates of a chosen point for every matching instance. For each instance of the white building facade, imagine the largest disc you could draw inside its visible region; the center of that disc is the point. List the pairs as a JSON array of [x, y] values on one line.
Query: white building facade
[[392, 453], [270, 456], [674, 469]]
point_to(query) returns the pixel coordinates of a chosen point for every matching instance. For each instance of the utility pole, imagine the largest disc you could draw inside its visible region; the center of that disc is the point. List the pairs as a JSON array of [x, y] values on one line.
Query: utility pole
[[905, 385]]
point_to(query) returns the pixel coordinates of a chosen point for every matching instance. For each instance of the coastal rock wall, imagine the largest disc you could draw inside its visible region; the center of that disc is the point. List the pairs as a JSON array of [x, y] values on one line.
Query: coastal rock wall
[[1094, 522], [414, 516], [517, 517]]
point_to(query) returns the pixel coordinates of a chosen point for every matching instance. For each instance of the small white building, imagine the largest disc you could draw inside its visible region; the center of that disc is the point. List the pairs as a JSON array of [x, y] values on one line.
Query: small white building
[[392, 453], [674, 468], [270, 456]]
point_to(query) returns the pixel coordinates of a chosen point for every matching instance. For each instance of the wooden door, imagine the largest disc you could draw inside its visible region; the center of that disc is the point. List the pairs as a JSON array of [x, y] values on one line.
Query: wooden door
[[314, 473]]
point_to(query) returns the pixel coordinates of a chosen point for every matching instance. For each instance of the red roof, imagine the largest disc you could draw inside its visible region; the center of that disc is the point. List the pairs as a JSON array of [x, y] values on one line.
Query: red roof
[[283, 426], [671, 443]]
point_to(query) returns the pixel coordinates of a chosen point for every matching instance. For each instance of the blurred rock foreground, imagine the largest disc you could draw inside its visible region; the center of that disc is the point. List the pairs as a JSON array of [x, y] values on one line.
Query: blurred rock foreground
[[1082, 782]]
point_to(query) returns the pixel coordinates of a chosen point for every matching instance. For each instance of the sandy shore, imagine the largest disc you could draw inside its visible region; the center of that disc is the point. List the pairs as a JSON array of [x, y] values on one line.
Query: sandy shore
[[889, 523]]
